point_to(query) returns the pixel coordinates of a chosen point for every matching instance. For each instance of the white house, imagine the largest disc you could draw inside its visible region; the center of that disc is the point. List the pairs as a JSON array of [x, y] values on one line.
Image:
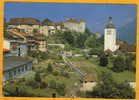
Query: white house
[[6, 44], [44, 29], [110, 37], [75, 25], [89, 82]]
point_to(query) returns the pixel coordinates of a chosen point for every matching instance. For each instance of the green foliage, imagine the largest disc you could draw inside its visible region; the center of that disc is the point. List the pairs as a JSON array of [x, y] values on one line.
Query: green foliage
[[60, 88], [68, 37], [38, 77], [95, 51], [46, 21], [91, 42], [39, 55], [128, 63], [43, 85], [103, 60], [50, 68], [75, 39], [118, 64], [32, 83], [52, 84], [95, 44], [108, 88]]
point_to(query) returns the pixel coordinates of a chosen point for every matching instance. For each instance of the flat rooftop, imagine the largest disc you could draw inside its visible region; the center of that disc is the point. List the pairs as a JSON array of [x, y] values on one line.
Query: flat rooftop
[[11, 62]]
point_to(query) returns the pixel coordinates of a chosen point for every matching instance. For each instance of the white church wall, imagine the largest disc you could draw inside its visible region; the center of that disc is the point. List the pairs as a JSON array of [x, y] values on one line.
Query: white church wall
[[110, 39]]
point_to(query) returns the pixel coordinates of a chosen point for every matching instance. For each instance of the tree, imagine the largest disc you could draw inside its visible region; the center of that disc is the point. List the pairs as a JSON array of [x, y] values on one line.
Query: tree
[[34, 84], [88, 32], [91, 42], [68, 37], [79, 40], [95, 51], [108, 88], [103, 60], [47, 21], [50, 68], [38, 77], [118, 64]]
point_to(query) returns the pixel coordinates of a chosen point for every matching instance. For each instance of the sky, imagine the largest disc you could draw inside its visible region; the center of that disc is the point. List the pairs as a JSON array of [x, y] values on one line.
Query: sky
[[95, 15]]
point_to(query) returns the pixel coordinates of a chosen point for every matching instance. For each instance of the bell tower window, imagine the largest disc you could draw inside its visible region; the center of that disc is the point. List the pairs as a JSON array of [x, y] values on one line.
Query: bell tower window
[[108, 32]]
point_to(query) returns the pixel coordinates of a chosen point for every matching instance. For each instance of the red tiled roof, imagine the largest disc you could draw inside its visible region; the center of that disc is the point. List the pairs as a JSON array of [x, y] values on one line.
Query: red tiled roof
[[6, 50], [24, 21], [72, 20]]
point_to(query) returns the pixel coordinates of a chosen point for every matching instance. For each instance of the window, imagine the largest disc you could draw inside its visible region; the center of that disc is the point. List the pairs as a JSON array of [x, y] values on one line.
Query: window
[[26, 68], [19, 70], [15, 73], [109, 32], [22, 69]]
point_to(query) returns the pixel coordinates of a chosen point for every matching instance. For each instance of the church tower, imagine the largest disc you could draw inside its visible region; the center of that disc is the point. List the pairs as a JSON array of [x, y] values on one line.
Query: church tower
[[110, 36]]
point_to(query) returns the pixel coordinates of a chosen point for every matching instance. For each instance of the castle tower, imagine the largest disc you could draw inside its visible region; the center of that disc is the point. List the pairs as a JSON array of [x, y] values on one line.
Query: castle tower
[[110, 36]]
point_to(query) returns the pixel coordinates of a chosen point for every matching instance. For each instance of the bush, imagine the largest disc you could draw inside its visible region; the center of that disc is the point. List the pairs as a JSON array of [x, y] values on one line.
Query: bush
[[55, 73], [108, 88], [118, 64], [60, 87], [43, 85], [52, 84], [50, 68], [103, 60], [32, 83], [38, 77]]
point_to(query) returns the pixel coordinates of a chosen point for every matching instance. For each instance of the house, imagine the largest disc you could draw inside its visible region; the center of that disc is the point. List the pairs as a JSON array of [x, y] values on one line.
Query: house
[[75, 25], [6, 47], [15, 43], [32, 26], [15, 66], [44, 29], [28, 25], [132, 84], [89, 81], [41, 39]]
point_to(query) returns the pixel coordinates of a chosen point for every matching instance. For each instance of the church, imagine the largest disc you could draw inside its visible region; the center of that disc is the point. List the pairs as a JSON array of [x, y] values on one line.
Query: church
[[110, 36]]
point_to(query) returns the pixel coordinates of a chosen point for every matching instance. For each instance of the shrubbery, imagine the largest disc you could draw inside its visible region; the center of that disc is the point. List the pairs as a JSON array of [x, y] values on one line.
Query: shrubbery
[[103, 60], [108, 88], [123, 63]]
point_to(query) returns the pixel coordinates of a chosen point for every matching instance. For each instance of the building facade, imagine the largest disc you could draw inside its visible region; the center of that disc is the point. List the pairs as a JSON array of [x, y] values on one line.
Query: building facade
[[15, 66], [88, 83], [110, 37], [75, 25]]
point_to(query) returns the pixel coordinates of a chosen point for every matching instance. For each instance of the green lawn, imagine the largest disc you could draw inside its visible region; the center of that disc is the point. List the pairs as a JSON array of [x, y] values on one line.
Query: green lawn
[[92, 65]]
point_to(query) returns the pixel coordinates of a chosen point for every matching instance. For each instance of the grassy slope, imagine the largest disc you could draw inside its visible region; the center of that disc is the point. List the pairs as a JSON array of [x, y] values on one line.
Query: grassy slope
[[92, 65]]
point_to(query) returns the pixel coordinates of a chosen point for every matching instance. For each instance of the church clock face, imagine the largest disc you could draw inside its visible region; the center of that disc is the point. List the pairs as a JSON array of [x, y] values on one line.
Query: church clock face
[[109, 32]]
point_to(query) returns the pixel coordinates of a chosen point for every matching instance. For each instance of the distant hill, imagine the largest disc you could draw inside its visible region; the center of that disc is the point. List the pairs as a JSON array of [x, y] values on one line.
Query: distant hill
[[128, 32]]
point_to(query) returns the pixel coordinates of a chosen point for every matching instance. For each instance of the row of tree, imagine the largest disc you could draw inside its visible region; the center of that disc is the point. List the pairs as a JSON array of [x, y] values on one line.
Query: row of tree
[[120, 63]]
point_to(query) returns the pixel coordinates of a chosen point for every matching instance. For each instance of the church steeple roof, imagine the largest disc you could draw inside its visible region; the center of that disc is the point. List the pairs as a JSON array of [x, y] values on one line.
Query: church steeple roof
[[110, 25]]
